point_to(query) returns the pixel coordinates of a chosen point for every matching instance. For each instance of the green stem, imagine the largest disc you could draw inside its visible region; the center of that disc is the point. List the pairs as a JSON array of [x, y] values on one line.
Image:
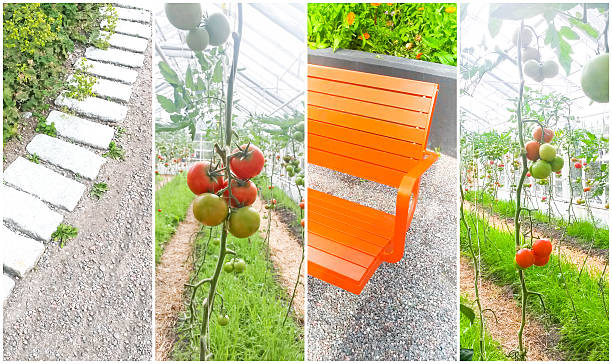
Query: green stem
[[522, 354]]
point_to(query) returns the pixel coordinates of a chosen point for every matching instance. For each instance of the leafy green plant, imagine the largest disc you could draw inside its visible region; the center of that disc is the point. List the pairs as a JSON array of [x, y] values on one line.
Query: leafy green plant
[[81, 83], [37, 41], [413, 30], [115, 151], [43, 128], [34, 158], [64, 233], [98, 189]]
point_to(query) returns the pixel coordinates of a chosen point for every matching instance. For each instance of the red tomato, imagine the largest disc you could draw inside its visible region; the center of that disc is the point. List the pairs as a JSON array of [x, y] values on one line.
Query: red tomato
[[244, 222], [541, 247], [541, 260], [524, 258], [245, 193], [247, 164], [202, 179], [302, 205], [548, 134], [210, 209], [533, 150], [302, 222], [578, 165], [587, 189]]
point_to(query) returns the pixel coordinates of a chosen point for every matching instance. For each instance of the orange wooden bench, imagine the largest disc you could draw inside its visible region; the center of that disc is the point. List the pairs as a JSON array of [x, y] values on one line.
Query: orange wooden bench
[[373, 127]]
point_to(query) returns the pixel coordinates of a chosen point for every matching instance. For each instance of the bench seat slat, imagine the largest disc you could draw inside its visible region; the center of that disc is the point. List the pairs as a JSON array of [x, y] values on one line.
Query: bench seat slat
[[374, 141], [373, 80], [370, 94], [323, 202], [369, 125], [333, 263], [320, 223], [365, 154], [391, 114], [389, 177], [340, 250]]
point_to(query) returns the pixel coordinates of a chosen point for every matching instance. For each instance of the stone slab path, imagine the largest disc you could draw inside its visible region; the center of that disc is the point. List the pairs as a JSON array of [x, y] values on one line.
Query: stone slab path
[[35, 195]]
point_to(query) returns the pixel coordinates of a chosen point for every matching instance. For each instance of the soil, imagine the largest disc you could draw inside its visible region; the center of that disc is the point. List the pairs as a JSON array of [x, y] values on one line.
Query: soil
[[569, 247], [286, 255], [287, 217], [539, 340], [171, 275], [165, 178], [92, 299]]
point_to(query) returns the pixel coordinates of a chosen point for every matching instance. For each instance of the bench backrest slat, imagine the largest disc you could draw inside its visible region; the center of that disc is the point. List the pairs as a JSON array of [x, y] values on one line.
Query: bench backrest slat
[[367, 125]]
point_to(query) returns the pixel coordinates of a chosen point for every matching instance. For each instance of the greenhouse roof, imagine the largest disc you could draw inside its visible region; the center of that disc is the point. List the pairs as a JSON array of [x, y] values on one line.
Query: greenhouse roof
[[271, 66], [485, 105]]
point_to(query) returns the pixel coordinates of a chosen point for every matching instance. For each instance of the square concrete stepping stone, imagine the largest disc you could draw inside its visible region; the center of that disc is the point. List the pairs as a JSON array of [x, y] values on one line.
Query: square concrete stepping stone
[[116, 56], [81, 130], [134, 44], [20, 254], [95, 108], [44, 183], [104, 88], [7, 285], [66, 155], [142, 16], [130, 28], [29, 214], [125, 4], [107, 70]]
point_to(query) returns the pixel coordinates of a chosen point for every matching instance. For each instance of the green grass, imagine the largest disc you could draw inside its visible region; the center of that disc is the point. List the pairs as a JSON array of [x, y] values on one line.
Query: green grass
[[172, 199], [584, 231], [282, 200], [470, 338], [584, 338], [255, 303]]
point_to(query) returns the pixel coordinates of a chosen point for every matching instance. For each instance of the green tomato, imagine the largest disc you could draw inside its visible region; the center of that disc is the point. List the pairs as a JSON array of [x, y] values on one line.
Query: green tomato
[[228, 267], [547, 152], [215, 241], [239, 265], [540, 169], [556, 164], [223, 320]]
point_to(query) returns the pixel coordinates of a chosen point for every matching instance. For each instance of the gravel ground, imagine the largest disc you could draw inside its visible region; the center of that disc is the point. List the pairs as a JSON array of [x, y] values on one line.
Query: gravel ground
[[91, 300], [408, 310]]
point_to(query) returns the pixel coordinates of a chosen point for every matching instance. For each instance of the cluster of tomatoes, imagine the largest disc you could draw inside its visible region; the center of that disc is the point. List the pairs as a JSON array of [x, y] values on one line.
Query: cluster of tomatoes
[[538, 255], [544, 156], [215, 197], [292, 167]]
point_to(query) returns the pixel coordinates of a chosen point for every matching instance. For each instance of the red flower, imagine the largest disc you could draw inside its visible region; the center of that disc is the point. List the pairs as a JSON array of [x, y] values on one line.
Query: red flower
[[365, 35], [418, 56]]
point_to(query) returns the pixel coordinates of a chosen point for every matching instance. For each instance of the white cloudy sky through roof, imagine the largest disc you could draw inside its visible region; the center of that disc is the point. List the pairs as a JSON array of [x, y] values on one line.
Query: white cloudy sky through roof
[[485, 109], [271, 61]]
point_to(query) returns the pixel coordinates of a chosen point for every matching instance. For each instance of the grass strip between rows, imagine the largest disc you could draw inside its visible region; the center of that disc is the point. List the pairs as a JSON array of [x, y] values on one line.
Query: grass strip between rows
[[584, 231], [584, 330], [172, 199], [255, 303]]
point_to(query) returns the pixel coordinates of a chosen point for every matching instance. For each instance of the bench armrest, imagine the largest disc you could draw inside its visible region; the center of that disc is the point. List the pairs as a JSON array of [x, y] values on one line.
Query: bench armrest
[[405, 205]]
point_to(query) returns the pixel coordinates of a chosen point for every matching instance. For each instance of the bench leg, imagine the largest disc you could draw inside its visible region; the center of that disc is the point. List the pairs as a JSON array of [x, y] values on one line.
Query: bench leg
[[395, 250]]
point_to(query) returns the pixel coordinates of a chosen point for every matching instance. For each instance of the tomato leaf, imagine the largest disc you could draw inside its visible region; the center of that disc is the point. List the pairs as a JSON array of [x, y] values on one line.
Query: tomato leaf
[[168, 73], [166, 104], [218, 72], [189, 78], [568, 33], [585, 27], [468, 312]]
